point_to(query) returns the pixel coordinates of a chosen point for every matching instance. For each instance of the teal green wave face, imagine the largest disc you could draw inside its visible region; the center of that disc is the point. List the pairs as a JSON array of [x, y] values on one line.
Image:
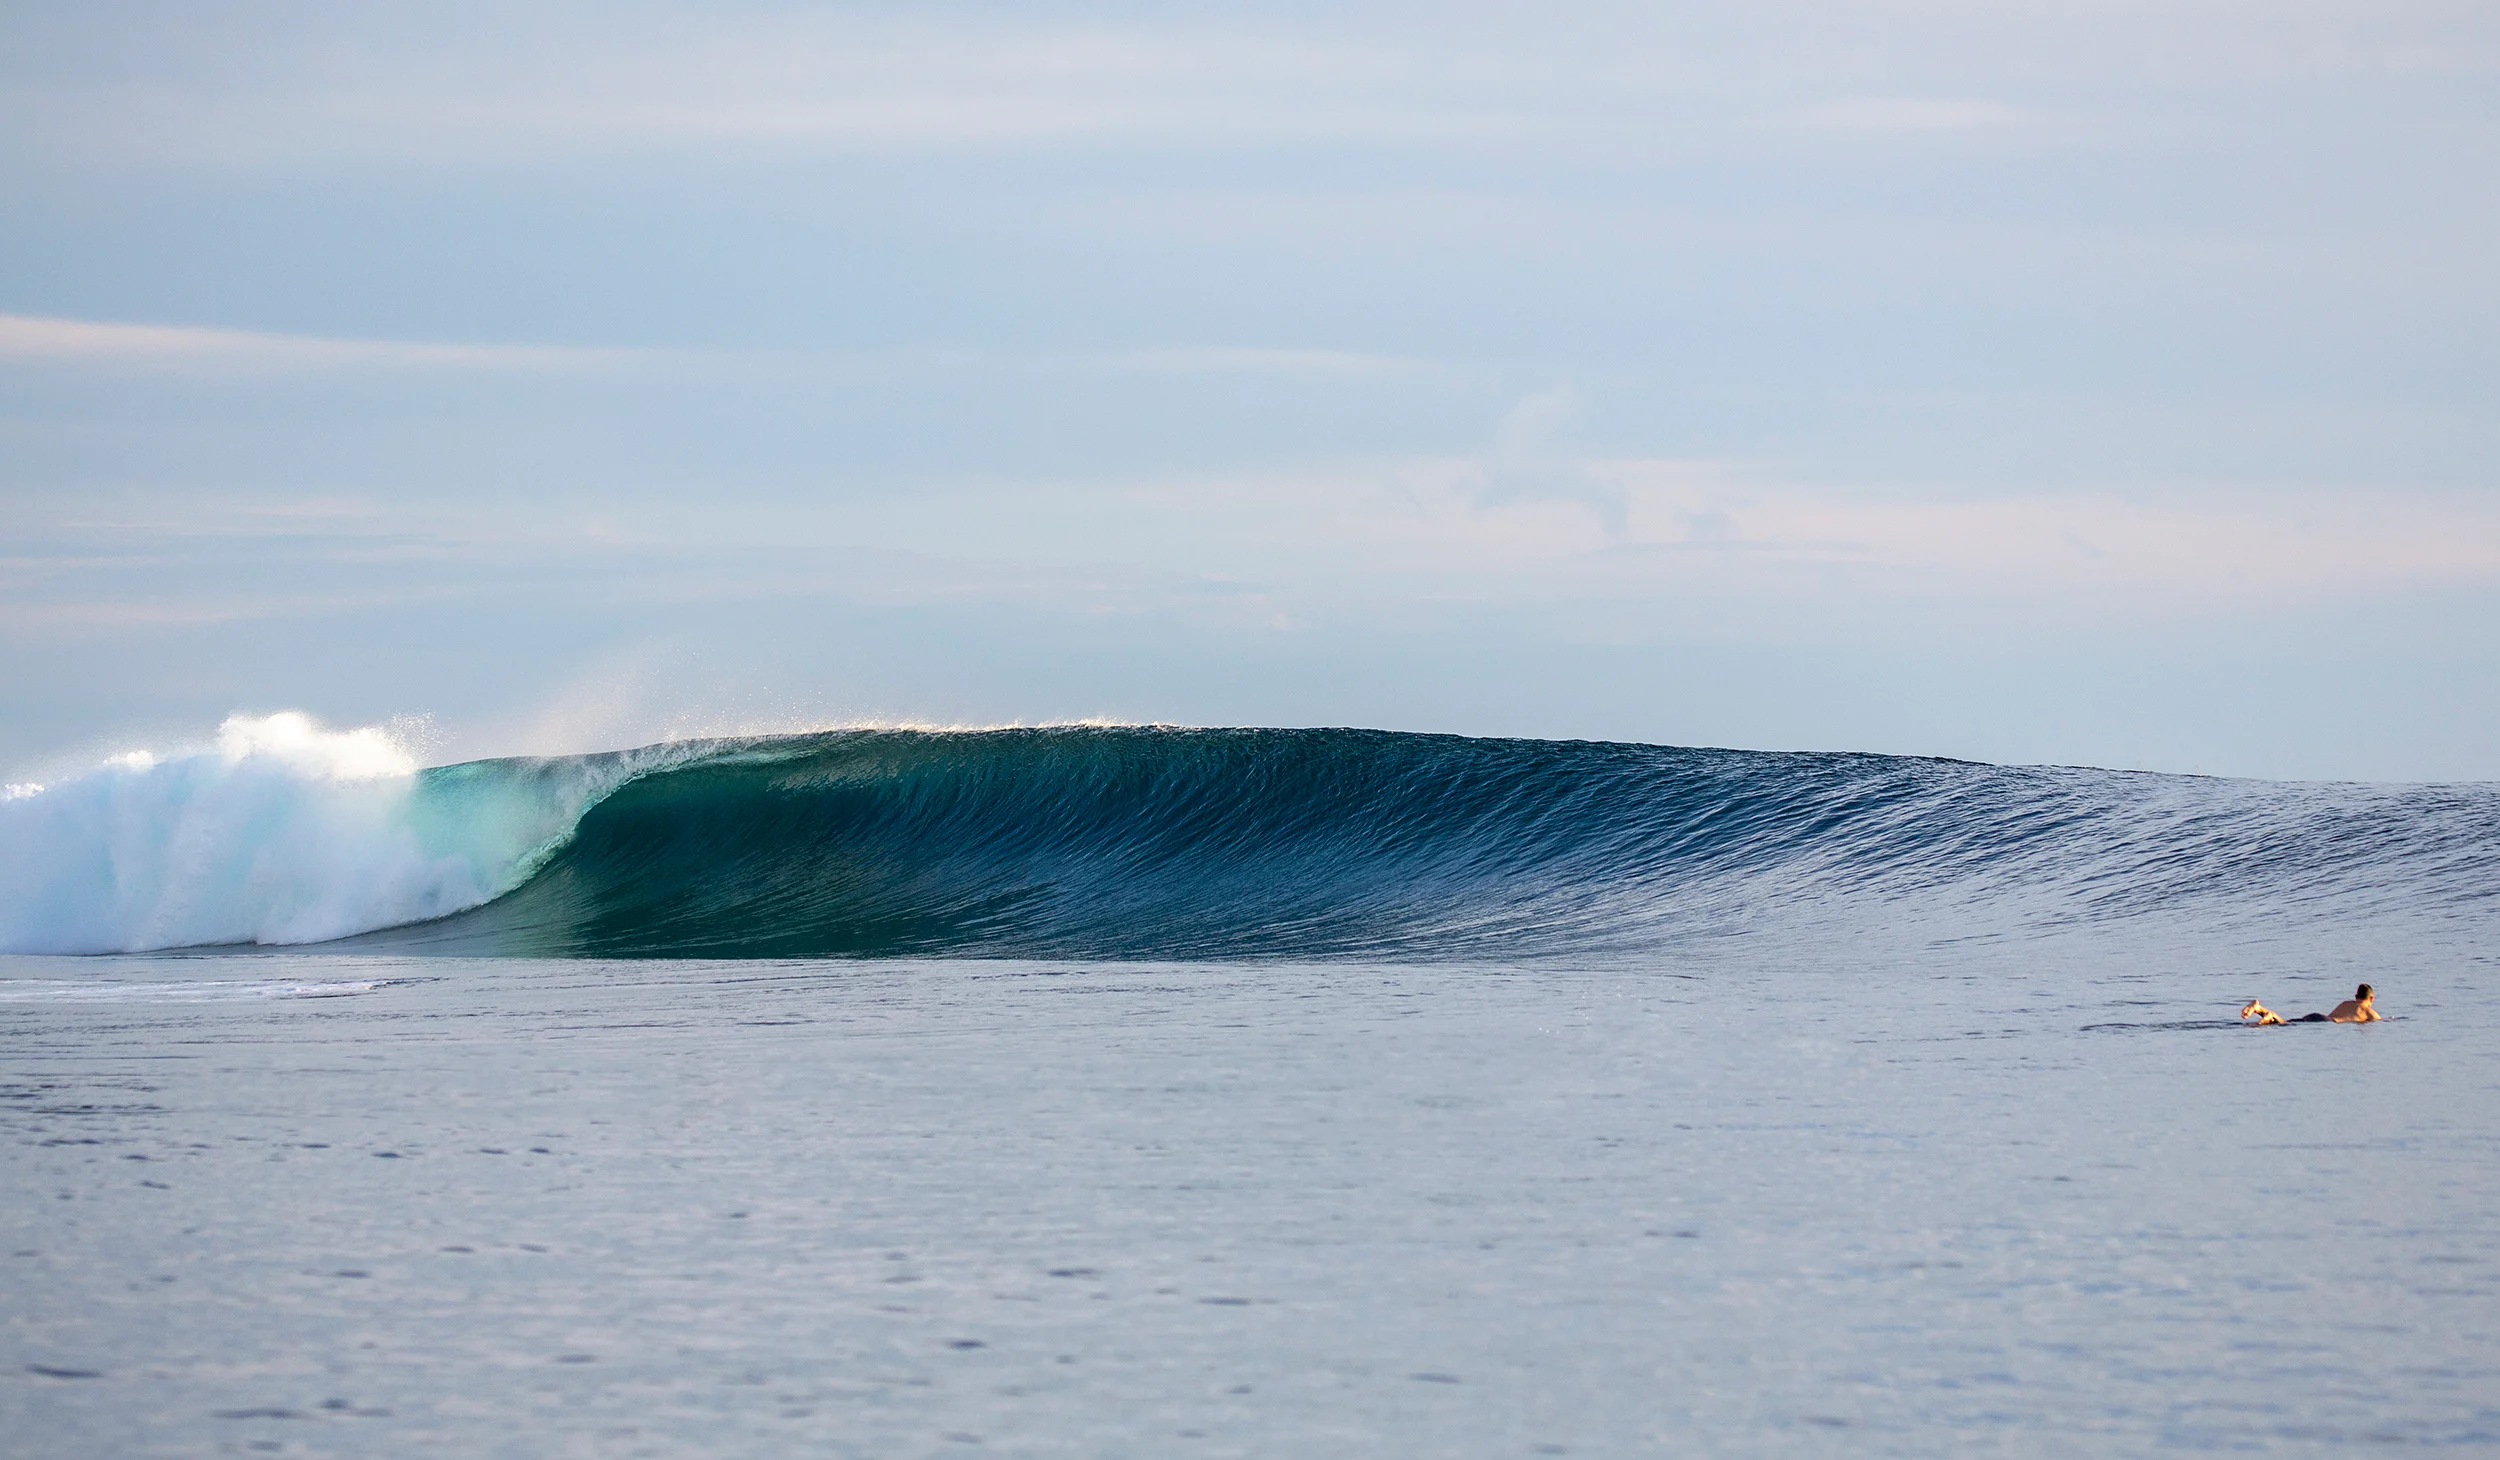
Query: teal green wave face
[[1192, 844], [1180, 844]]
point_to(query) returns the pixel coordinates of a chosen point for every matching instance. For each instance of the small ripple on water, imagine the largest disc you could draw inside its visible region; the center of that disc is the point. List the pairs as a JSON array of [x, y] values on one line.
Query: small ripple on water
[[65, 991]]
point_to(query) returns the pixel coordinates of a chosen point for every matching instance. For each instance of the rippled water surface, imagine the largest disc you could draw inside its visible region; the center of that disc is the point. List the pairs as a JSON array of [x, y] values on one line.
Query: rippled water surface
[[1848, 1197]]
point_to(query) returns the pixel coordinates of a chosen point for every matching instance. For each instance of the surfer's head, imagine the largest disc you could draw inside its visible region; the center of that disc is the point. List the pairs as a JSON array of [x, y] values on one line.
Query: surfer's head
[[2363, 994]]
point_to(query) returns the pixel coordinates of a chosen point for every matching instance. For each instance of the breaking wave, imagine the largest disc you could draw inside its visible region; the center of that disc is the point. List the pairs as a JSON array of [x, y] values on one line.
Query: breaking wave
[[1149, 842]]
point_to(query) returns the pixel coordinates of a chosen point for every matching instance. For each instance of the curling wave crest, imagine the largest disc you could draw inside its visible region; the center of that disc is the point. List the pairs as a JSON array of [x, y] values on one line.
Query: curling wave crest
[[1167, 843]]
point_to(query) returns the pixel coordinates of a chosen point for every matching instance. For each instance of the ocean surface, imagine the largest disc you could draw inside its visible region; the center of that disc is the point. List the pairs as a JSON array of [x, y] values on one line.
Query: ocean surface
[[1147, 1092]]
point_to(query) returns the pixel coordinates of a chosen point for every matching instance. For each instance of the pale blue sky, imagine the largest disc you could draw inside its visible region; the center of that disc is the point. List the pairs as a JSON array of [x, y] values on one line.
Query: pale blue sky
[[2108, 383]]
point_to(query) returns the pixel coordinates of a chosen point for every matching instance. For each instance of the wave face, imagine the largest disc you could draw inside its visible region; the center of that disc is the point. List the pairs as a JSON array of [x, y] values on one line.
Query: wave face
[[1193, 844]]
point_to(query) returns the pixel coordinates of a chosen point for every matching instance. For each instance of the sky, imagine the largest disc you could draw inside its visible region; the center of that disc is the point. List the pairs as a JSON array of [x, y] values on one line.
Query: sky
[[2094, 383]]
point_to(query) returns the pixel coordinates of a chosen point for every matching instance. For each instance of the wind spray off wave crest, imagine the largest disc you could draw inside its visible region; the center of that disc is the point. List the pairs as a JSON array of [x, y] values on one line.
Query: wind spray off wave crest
[[281, 832]]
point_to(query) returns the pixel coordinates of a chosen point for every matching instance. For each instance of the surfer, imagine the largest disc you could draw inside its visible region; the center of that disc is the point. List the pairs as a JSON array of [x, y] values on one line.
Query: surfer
[[2361, 1008]]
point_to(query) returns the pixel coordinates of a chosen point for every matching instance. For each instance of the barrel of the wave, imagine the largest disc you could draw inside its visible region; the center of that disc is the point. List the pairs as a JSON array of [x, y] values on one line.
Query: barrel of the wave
[[1150, 842]]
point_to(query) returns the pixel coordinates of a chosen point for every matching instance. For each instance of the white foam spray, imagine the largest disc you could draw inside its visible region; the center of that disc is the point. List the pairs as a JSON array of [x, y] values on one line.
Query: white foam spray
[[281, 832]]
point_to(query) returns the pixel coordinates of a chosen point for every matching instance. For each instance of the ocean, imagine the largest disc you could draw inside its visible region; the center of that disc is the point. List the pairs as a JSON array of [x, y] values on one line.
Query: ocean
[[1138, 1091]]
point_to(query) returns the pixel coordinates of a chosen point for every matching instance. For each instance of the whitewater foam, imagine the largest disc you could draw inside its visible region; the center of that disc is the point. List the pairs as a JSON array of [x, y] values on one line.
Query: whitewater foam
[[282, 831]]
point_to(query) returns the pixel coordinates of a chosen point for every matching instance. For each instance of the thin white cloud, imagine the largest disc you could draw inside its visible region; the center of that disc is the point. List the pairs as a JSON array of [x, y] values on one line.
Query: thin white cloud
[[1673, 527], [46, 340], [291, 83], [2186, 545], [41, 339]]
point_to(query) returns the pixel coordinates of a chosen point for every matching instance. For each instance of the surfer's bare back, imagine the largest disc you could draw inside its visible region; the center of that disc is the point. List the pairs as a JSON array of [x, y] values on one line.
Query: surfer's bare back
[[2361, 1008]]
